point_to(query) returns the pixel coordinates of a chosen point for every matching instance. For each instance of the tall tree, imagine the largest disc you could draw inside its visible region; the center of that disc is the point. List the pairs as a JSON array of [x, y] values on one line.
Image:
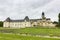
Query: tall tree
[[59, 19], [1, 24]]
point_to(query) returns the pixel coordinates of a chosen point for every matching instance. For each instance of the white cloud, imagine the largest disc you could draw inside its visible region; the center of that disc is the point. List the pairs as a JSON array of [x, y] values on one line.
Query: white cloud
[[18, 9]]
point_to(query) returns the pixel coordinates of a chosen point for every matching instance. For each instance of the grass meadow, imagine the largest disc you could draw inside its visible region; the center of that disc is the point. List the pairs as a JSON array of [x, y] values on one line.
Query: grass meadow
[[33, 31], [19, 37]]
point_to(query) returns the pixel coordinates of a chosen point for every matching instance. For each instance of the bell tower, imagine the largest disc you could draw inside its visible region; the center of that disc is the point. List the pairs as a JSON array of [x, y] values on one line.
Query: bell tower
[[43, 15]]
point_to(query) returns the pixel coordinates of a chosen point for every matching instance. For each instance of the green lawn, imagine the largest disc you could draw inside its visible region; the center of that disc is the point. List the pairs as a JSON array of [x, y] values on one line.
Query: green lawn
[[19, 37], [40, 31], [33, 31]]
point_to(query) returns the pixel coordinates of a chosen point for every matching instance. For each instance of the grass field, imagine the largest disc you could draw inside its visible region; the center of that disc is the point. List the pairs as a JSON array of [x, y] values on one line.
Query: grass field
[[32, 31], [19, 37]]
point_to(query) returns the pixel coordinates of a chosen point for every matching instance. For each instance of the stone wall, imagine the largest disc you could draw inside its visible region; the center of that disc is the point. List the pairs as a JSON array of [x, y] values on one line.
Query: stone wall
[[27, 24], [17, 24]]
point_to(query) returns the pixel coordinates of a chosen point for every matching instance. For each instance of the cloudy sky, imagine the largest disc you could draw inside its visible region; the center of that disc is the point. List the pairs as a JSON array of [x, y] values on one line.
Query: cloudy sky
[[18, 9]]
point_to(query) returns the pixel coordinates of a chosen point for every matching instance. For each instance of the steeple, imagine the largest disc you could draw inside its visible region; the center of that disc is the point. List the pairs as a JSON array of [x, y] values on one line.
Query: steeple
[[43, 15]]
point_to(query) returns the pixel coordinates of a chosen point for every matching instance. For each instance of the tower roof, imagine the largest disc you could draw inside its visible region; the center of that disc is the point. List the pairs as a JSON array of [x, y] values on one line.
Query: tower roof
[[26, 18], [43, 13], [43, 16], [8, 19]]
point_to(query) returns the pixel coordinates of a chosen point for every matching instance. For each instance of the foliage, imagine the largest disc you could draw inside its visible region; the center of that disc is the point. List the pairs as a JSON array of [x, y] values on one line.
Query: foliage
[[1, 24], [58, 25], [59, 18]]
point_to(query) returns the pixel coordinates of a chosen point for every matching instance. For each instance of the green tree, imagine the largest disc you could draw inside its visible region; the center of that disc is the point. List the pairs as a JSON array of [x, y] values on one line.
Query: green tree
[[1, 24], [59, 19], [58, 25]]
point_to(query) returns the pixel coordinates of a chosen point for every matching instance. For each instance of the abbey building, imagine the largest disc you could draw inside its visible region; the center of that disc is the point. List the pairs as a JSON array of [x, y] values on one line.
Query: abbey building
[[26, 22]]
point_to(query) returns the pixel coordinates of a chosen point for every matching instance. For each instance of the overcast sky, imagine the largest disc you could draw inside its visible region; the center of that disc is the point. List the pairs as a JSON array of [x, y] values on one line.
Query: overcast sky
[[18, 9]]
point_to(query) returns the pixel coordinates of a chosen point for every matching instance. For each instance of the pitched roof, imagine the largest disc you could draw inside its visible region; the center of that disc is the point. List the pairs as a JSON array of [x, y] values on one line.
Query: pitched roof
[[26, 18], [8, 19], [17, 20], [48, 19]]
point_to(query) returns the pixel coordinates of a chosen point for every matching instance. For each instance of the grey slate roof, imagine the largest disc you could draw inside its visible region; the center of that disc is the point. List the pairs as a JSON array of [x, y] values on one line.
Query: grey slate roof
[[17, 21], [8, 19], [48, 19], [22, 20]]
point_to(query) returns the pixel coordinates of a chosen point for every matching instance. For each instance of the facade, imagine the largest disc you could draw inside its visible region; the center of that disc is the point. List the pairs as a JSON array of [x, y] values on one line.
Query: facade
[[26, 22]]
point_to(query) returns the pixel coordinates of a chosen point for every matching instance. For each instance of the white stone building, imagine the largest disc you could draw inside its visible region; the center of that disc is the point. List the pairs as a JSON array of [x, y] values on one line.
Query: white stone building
[[26, 22]]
